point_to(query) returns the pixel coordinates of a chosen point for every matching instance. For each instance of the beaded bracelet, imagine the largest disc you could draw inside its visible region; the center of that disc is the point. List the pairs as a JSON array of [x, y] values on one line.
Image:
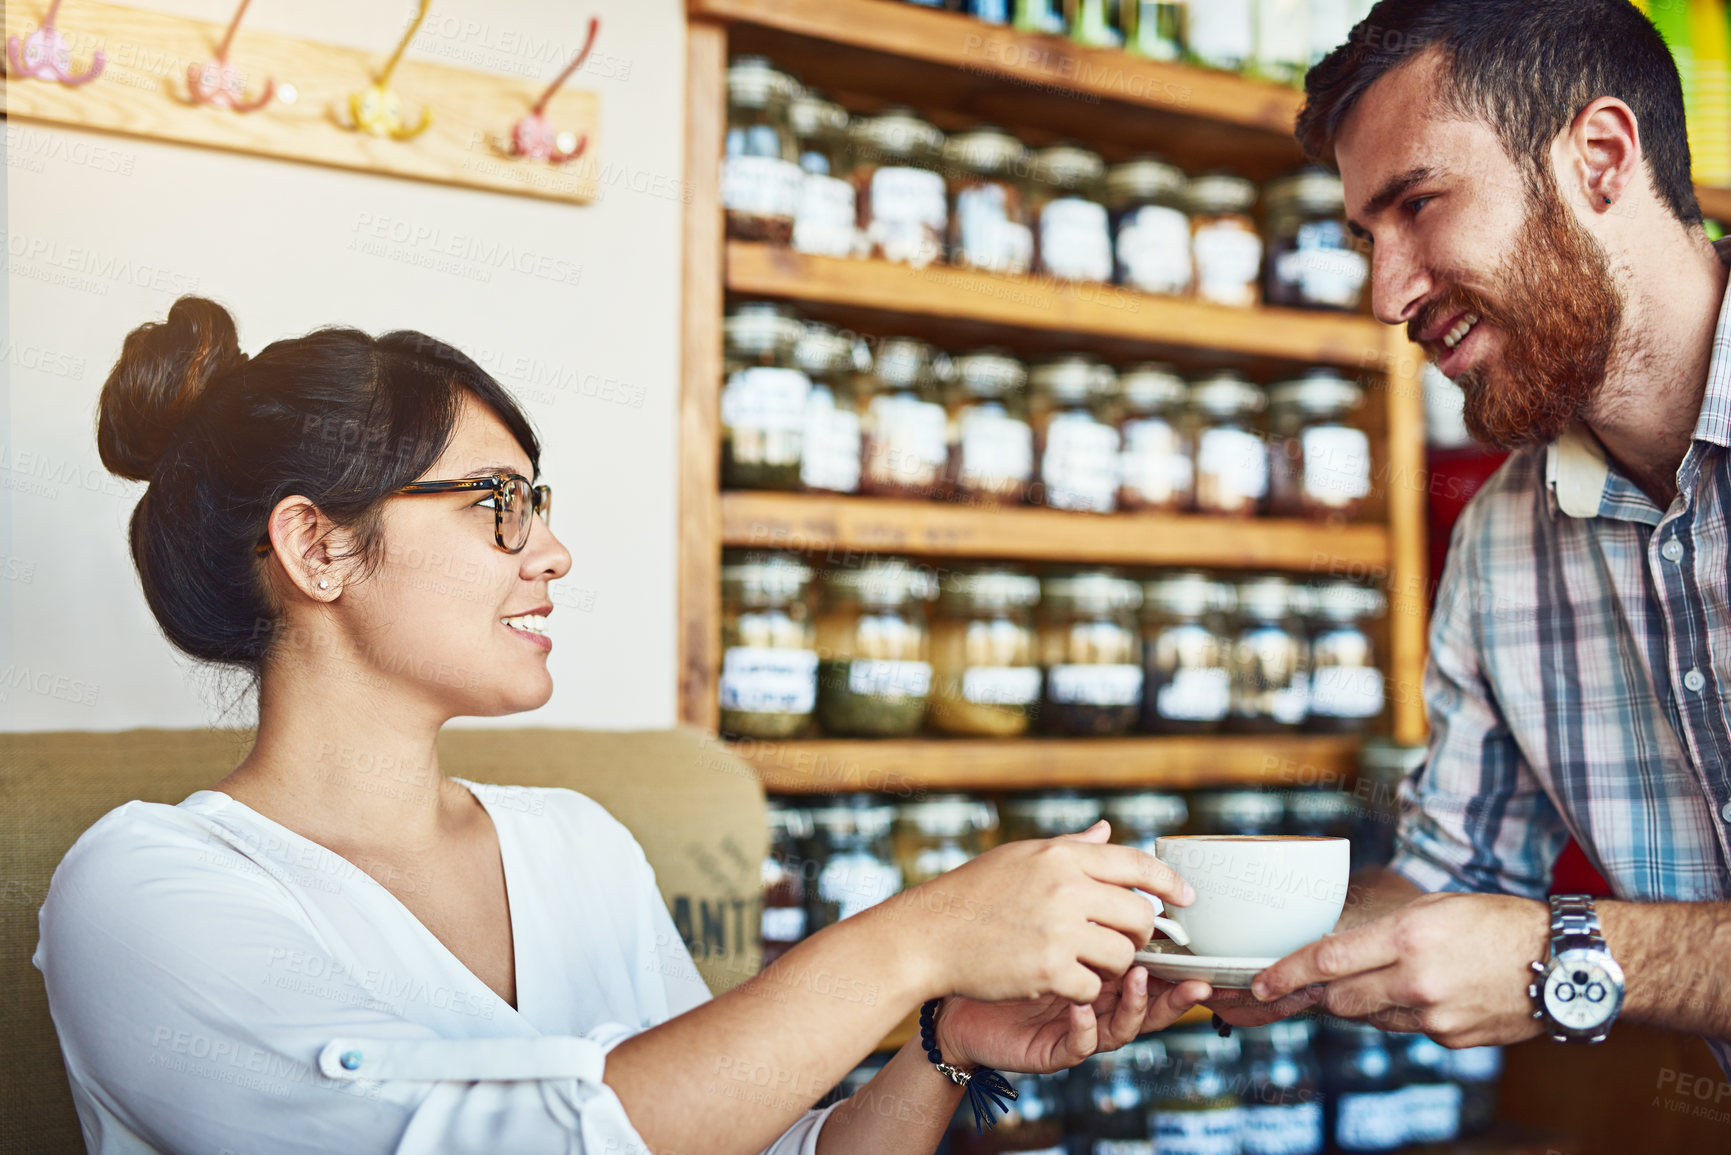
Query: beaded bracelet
[[986, 1088]]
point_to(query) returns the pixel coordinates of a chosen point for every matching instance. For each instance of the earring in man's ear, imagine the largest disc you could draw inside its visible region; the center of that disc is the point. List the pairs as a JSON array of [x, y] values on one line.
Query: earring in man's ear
[[324, 585]]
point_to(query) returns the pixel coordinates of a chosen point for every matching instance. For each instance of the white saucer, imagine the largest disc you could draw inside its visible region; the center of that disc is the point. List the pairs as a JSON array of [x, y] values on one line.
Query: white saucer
[[1167, 960]]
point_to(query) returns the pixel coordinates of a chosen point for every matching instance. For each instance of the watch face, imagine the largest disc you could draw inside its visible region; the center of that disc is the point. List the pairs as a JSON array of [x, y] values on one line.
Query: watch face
[[1581, 993]]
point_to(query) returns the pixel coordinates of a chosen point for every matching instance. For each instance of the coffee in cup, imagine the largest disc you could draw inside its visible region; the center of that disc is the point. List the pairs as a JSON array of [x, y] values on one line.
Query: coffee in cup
[[1257, 896]]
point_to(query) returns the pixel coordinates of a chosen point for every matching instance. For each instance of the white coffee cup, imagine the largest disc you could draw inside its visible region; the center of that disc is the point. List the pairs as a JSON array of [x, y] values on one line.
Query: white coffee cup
[[1260, 896]]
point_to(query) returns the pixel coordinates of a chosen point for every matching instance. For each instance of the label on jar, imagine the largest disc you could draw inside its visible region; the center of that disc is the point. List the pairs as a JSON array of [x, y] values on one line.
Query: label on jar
[[1285, 1129], [1433, 1112], [1236, 459], [1476, 1064], [1289, 704], [1094, 685], [1001, 685], [986, 236], [1197, 1132], [783, 923], [1076, 240], [1228, 258], [1324, 275], [1195, 694], [1123, 1147], [1154, 248], [994, 446], [768, 680], [824, 221], [1336, 464], [856, 882], [1080, 465], [766, 399], [885, 679], [1370, 1121], [830, 446], [1346, 691], [908, 211], [909, 438], [763, 186], [1220, 32], [1154, 464]]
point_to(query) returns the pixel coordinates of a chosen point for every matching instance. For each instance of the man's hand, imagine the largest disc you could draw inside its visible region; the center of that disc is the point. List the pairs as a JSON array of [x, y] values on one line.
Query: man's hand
[[1455, 966]]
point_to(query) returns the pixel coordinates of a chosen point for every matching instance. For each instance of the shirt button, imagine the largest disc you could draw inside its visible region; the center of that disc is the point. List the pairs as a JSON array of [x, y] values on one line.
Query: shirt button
[[351, 1060], [1725, 812], [1672, 550], [1694, 680]]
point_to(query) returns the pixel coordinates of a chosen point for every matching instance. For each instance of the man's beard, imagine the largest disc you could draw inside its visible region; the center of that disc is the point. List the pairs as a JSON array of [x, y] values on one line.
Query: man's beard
[[1559, 314]]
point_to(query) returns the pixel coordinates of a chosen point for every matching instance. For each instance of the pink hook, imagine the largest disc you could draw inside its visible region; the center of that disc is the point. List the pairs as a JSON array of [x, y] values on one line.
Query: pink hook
[[216, 84], [45, 55], [533, 136]]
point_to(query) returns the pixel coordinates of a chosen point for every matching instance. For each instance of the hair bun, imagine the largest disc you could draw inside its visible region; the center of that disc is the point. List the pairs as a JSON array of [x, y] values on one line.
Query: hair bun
[[163, 370]]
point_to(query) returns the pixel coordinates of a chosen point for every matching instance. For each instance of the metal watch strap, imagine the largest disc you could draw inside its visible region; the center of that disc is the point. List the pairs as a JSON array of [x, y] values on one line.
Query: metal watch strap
[[1573, 918]]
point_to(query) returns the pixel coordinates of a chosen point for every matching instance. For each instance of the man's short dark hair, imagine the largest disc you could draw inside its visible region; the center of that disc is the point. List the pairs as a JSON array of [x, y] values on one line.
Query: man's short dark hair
[[1526, 68]]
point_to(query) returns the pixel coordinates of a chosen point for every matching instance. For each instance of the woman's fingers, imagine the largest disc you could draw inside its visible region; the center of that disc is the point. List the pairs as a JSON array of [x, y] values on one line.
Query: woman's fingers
[[1125, 911], [1126, 866], [1104, 949], [1125, 1021]]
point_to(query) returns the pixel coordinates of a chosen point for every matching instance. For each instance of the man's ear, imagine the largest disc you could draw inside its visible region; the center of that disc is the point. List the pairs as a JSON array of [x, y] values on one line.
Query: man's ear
[[310, 548], [1601, 154]]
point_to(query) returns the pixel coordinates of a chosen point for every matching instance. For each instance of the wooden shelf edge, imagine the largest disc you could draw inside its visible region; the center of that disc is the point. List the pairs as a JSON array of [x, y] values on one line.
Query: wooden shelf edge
[[814, 522], [1715, 202], [911, 766], [1051, 63], [1044, 304]]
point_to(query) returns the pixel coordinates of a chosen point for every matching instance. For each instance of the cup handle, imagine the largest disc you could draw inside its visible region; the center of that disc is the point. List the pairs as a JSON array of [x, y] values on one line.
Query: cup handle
[[1172, 930]]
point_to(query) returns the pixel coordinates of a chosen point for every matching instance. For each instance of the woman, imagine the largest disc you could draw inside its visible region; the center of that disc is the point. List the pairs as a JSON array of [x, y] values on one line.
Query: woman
[[336, 947]]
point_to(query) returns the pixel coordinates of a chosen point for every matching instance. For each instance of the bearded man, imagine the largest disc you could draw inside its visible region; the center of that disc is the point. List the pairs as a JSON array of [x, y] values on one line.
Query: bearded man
[[1520, 170]]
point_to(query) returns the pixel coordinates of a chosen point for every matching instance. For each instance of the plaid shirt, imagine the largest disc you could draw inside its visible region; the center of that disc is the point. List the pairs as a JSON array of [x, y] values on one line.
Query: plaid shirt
[[1580, 676]]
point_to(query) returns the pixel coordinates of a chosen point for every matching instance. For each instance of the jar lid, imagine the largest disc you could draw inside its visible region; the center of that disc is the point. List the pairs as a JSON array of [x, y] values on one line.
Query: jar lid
[[949, 815], [765, 576], [903, 362], [1219, 192], [1068, 166], [1268, 598], [1193, 1044], [1145, 176], [1151, 385], [988, 373], [822, 349], [1226, 394], [1058, 812], [997, 588], [1238, 807], [1092, 591], [1075, 378], [762, 327], [1312, 191], [1318, 805], [884, 581], [1147, 810], [755, 82], [985, 148], [1286, 1034], [787, 819], [862, 814], [1345, 601], [896, 133], [1387, 761], [1321, 392], [809, 114], [1188, 594]]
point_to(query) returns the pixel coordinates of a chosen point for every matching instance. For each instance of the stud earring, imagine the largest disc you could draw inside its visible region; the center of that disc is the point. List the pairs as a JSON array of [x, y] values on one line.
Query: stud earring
[[324, 585], [1607, 200]]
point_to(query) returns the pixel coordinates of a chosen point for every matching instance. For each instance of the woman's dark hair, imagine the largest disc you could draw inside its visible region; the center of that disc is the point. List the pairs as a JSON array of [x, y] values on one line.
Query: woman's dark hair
[[1526, 68], [337, 416]]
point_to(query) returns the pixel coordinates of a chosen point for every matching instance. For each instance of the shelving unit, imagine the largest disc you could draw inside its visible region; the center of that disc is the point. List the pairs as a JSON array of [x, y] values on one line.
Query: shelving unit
[[1715, 202]]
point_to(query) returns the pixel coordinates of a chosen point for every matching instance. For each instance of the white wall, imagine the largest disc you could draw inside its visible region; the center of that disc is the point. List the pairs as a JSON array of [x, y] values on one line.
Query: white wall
[[105, 231]]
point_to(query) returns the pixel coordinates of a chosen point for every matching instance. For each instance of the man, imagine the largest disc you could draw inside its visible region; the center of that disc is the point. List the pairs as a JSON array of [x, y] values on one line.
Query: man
[[1521, 172]]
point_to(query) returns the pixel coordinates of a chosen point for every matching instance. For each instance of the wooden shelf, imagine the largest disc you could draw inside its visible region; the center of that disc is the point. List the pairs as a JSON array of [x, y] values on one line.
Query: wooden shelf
[[899, 766], [813, 522], [1715, 202], [1013, 305]]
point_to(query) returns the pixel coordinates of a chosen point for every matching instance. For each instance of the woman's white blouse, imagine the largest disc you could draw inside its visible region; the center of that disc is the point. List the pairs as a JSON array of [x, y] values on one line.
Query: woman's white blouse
[[221, 984]]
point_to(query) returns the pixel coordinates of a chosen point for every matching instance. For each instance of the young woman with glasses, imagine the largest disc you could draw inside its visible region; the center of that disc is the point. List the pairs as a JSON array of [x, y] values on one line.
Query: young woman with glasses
[[339, 948]]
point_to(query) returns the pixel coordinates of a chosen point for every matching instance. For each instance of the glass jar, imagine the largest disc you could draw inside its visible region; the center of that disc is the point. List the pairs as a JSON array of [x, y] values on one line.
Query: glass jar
[[1139, 817], [1346, 687], [785, 899], [1270, 658], [985, 682], [1186, 654], [1040, 16], [1231, 459], [824, 219], [1283, 1090], [1155, 468], [1221, 34], [939, 833], [1477, 1070], [830, 442], [1319, 465], [1032, 1125], [760, 173], [1109, 1108], [1224, 244], [903, 213], [1073, 234], [1319, 813], [855, 871], [1198, 1109], [1282, 40], [1090, 649], [1363, 1106], [906, 431], [1096, 23], [874, 668], [1241, 813], [991, 444], [1156, 28], [763, 402], [1382, 766], [1150, 227], [1077, 445], [989, 221], [1049, 814], [1433, 1098], [768, 647], [1313, 261]]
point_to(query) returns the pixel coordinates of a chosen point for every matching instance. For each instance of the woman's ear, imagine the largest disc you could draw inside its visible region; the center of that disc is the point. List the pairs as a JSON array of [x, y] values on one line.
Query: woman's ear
[[310, 548]]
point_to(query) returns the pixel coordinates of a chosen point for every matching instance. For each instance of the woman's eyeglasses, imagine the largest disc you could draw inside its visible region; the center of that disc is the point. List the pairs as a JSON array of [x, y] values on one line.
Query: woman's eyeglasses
[[516, 500]]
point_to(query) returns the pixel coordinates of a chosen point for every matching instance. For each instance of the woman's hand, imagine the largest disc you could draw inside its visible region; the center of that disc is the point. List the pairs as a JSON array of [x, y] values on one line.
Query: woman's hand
[[1038, 1036]]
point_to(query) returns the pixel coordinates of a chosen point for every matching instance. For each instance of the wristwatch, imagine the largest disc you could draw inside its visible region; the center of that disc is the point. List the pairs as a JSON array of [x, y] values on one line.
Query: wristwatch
[[1579, 989]]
